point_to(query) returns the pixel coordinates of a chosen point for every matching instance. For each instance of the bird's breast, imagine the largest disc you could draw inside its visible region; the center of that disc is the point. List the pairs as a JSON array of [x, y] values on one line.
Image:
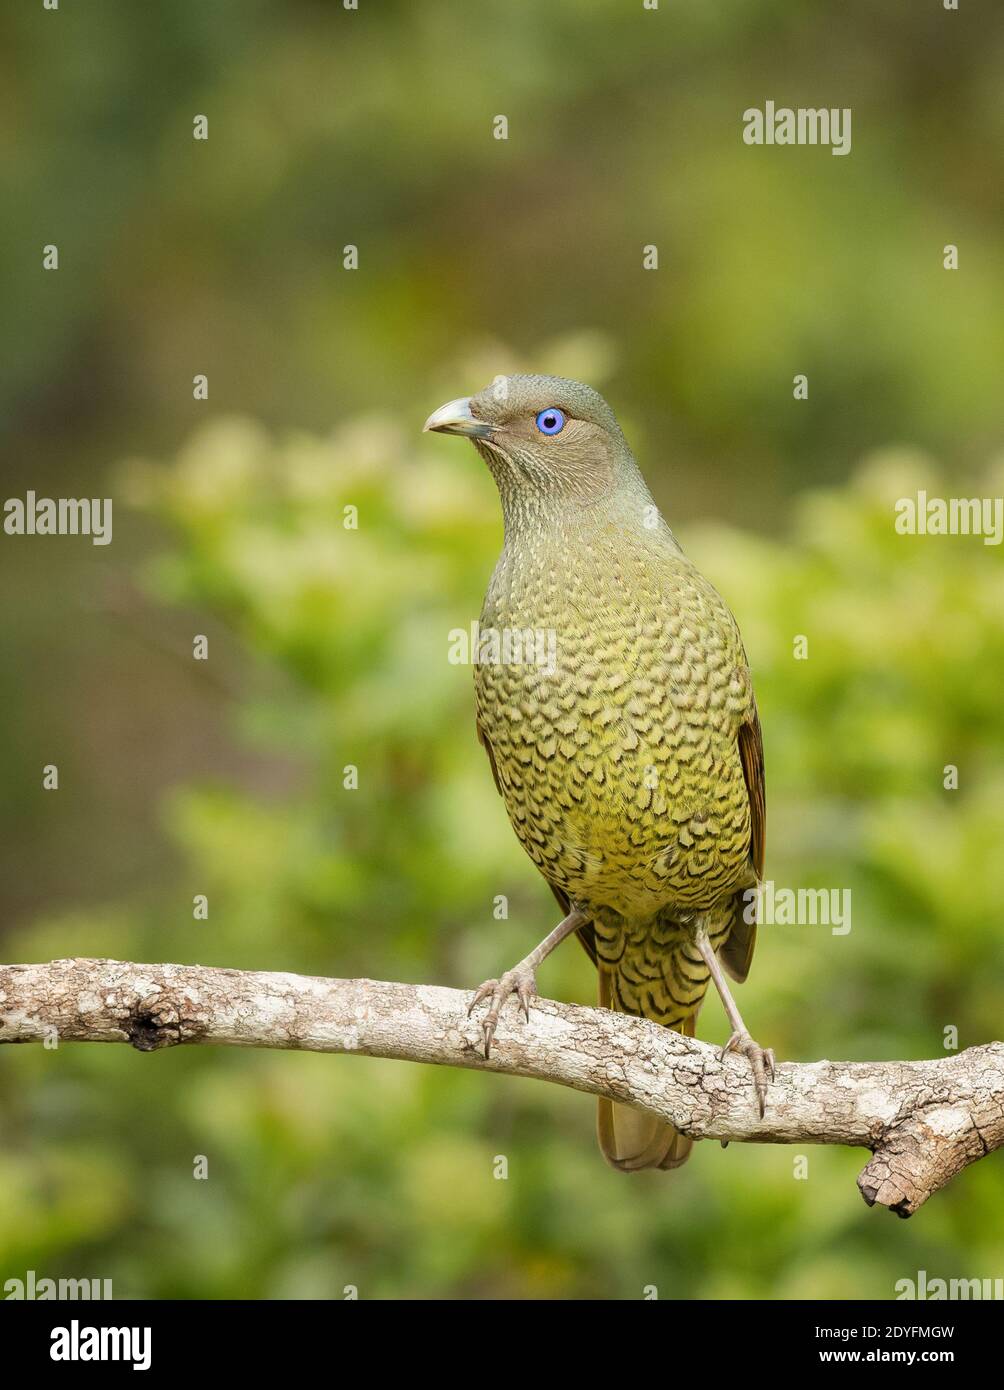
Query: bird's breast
[[615, 744]]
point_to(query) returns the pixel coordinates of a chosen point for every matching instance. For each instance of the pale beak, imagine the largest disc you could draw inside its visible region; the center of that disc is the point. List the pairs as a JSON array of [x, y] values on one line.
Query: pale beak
[[455, 418]]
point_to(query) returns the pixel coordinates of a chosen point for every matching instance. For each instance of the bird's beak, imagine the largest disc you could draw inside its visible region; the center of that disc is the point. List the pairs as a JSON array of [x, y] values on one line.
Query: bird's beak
[[455, 418]]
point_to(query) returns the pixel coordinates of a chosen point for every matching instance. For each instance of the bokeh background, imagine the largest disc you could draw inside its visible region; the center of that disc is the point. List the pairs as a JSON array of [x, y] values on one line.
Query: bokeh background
[[328, 647]]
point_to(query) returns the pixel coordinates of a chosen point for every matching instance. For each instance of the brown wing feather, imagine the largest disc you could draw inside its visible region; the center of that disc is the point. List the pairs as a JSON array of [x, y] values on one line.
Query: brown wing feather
[[483, 740], [585, 934], [737, 952], [751, 756]]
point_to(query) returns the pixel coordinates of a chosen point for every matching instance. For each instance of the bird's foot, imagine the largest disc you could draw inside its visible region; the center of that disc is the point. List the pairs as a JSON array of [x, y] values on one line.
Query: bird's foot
[[520, 981], [761, 1061]]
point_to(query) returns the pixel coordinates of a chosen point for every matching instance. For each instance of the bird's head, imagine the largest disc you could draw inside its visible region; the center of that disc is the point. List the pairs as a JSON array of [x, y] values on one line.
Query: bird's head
[[543, 437]]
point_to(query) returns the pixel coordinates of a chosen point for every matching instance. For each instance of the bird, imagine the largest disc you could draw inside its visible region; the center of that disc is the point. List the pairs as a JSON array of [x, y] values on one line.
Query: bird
[[630, 756]]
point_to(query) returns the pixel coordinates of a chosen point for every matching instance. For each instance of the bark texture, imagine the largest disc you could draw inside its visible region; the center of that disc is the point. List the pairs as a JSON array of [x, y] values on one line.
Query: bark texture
[[923, 1121]]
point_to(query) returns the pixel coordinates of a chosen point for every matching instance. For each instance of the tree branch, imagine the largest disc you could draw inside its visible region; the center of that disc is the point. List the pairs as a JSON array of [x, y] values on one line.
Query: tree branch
[[923, 1121]]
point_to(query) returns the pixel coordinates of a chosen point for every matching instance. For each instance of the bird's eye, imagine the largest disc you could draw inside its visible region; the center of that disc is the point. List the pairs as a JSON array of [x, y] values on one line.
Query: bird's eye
[[551, 421]]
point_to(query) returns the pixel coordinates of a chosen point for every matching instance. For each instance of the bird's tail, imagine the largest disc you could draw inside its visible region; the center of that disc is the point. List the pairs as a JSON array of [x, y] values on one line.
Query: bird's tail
[[629, 1139]]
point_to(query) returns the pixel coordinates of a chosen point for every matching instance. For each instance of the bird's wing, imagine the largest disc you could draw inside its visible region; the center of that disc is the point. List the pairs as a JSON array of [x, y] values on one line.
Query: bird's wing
[[486, 745], [737, 952], [585, 934]]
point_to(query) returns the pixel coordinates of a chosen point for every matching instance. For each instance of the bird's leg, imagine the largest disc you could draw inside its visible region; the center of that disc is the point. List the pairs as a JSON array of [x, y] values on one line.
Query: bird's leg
[[521, 979], [761, 1059]]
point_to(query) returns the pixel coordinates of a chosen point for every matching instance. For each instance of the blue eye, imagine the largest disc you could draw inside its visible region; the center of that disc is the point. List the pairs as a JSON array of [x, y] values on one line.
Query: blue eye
[[551, 421]]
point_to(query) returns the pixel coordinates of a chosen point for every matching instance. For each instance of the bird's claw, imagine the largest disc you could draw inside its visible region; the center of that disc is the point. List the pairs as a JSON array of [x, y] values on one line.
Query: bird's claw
[[761, 1060], [519, 981]]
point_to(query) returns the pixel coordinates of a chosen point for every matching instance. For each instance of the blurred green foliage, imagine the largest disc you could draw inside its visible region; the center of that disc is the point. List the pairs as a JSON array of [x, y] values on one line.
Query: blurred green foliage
[[328, 646]]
